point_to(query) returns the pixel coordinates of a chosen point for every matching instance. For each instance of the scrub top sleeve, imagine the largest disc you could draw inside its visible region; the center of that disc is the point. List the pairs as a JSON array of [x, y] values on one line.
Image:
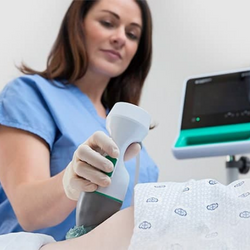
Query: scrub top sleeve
[[23, 107]]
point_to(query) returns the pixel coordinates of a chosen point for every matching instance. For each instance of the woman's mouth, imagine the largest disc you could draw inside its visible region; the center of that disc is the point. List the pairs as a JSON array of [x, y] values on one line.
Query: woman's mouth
[[112, 54]]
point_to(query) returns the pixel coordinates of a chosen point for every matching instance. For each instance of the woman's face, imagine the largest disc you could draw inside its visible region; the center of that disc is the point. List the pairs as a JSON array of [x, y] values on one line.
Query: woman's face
[[112, 30]]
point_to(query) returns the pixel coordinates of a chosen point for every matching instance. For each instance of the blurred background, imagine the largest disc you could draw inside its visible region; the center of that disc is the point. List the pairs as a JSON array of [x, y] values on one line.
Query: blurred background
[[190, 38]]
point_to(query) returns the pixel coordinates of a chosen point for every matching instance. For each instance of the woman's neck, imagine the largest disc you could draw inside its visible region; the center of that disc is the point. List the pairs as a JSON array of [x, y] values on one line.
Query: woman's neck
[[93, 87]]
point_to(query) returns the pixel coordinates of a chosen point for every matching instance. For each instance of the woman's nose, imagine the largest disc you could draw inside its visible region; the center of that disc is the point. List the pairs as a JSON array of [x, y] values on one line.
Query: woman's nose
[[118, 38]]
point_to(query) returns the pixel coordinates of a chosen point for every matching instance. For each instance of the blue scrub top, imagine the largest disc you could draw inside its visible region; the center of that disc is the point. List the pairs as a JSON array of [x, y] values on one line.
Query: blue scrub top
[[64, 117]]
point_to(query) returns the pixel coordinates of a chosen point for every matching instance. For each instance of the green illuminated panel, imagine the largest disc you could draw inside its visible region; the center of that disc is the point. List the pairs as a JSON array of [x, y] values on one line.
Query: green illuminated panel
[[210, 135]]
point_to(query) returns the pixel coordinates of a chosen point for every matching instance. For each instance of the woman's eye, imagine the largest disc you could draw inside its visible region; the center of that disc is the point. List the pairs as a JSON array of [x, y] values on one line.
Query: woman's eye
[[132, 36], [107, 24]]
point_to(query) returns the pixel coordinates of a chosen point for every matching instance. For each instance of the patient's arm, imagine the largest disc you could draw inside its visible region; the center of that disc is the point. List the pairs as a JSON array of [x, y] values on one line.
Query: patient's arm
[[114, 233]]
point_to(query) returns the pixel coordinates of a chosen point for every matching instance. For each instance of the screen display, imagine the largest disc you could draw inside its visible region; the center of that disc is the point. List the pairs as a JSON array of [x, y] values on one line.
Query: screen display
[[217, 100]]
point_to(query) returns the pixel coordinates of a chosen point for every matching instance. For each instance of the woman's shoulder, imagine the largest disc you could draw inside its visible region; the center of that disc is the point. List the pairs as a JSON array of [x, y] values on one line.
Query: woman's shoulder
[[32, 86], [24, 106], [35, 81]]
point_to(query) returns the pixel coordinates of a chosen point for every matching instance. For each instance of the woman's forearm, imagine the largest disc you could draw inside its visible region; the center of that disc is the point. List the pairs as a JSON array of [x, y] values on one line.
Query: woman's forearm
[[37, 199], [42, 203]]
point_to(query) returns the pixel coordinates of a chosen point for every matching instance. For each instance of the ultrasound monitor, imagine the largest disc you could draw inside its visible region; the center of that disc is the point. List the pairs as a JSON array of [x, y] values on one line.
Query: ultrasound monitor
[[215, 117]]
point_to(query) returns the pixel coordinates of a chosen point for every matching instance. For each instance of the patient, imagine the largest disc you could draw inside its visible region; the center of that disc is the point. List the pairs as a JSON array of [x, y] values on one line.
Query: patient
[[114, 233], [201, 214]]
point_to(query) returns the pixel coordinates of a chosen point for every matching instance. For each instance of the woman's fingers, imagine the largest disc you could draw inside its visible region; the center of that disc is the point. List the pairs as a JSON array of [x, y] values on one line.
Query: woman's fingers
[[82, 185], [100, 141], [87, 172], [86, 154]]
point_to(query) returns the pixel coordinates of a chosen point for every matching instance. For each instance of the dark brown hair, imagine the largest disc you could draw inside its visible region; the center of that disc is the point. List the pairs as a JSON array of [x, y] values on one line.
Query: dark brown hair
[[68, 60]]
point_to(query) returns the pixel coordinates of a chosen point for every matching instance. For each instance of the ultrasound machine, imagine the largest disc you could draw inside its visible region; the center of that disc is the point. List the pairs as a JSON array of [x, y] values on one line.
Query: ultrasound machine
[[215, 119]]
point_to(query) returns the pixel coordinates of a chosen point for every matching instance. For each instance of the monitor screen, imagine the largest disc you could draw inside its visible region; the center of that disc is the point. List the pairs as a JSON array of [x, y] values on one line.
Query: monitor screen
[[217, 100]]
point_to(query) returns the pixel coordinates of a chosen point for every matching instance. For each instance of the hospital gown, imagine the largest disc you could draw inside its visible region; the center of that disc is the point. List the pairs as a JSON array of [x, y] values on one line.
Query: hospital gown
[[204, 215]]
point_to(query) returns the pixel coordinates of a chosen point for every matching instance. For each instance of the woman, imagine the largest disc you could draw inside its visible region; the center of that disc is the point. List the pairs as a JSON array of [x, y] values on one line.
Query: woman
[[101, 56]]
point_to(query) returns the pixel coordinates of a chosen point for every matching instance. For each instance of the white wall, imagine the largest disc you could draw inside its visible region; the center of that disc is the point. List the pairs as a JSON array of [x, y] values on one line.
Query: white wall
[[28, 29], [190, 37]]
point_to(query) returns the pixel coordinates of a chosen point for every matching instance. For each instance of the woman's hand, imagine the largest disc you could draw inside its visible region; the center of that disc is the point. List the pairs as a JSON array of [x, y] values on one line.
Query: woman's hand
[[85, 172]]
